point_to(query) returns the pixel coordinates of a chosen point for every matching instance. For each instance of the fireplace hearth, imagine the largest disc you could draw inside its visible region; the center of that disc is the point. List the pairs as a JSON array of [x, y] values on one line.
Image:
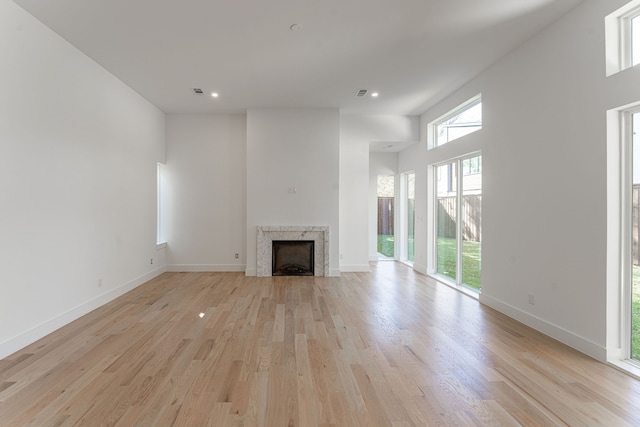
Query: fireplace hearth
[[292, 257]]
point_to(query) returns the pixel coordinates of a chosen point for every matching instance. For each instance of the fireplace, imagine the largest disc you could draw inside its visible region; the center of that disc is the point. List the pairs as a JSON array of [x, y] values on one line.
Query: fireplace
[[267, 234], [292, 258]]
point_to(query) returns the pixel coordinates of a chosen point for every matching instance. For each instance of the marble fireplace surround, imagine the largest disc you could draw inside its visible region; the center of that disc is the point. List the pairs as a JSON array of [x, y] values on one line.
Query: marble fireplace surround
[[319, 235]]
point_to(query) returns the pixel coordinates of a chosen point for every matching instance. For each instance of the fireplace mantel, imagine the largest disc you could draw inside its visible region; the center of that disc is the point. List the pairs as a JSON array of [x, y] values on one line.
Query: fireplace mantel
[[319, 235]]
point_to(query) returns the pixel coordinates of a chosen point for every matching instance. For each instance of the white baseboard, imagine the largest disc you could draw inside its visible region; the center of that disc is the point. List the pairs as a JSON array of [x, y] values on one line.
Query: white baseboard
[[203, 268], [29, 337], [334, 272], [554, 331], [355, 268]]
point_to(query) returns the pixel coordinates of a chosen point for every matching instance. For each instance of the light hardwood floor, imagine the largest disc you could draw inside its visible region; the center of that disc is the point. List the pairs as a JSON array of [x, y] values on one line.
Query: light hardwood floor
[[386, 348]]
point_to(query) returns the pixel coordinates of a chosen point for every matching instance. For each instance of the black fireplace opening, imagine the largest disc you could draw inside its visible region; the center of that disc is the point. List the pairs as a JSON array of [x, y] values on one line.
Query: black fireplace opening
[[292, 258]]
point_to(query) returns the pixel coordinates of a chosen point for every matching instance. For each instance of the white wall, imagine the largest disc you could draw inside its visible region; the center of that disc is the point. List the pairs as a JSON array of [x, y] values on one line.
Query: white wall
[[292, 149], [544, 176], [354, 196], [78, 183], [206, 173], [206, 180]]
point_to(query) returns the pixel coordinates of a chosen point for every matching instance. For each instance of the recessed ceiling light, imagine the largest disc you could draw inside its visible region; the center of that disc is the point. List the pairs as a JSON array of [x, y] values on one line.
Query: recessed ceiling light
[[214, 94], [375, 94], [296, 27]]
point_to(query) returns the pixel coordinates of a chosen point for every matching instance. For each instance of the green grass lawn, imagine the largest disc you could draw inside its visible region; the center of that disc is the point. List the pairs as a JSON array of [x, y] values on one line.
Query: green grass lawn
[[635, 315], [470, 261], [385, 245], [635, 327], [410, 249]]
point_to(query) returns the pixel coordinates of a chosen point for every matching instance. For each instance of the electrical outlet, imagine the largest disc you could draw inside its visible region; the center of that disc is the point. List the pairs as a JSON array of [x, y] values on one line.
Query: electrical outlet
[[237, 256], [99, 283], [151, 260], [532, 300]]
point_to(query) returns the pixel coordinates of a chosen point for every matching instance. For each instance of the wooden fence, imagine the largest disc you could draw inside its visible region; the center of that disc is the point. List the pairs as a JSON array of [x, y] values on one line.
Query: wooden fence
[[471, 211], [385, 216], [471, 221]]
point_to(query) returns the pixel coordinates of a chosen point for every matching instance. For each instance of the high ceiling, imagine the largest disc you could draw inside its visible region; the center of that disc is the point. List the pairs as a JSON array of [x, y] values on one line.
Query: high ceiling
[[412, 52]]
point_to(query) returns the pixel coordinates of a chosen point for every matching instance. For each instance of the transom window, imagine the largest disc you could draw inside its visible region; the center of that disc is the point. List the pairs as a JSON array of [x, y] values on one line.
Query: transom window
[[635, 39], [461, 121], [622, 31]]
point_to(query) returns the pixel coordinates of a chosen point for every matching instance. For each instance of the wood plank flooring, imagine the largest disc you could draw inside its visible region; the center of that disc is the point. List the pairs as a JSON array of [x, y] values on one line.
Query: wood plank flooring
[[386, 348]]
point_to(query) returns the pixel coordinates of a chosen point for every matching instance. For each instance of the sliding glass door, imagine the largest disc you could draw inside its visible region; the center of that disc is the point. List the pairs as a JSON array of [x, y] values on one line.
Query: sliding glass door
[[458, 218]]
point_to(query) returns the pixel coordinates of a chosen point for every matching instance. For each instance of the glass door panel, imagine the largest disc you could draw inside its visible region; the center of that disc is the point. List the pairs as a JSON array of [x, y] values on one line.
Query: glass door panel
[[635, 250], [446, 220], [471, 218], [411, 214]]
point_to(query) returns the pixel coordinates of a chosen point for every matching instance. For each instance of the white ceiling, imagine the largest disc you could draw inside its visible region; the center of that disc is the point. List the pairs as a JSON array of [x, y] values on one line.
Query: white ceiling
[[413, 52]]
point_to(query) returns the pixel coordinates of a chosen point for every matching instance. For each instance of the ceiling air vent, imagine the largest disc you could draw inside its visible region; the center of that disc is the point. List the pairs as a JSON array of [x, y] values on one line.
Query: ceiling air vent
[[197, 91], [362, 92]]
